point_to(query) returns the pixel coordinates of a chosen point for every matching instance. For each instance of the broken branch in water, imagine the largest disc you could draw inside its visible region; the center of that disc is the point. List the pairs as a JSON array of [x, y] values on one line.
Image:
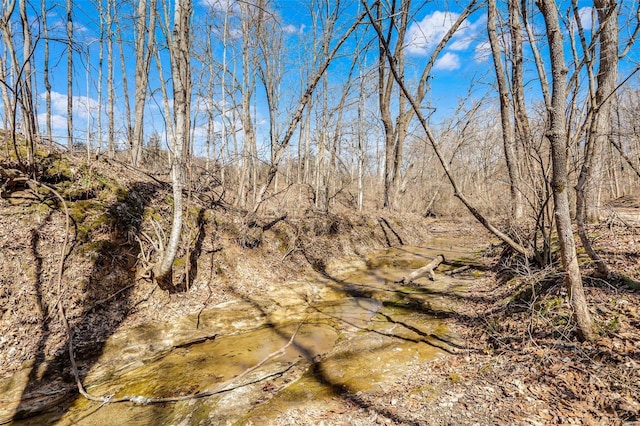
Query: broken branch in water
[[424, 271]]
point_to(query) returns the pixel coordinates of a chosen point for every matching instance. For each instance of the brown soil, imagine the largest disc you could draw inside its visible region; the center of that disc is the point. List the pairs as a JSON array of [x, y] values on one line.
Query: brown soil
[[522, 363]]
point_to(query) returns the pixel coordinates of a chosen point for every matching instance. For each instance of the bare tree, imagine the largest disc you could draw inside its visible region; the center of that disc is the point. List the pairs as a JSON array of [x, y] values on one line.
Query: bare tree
[[110, 89], [600, 121], [8, 74], [103, 23], [519, 248], [4, 89], [21, 89], [145, 36], [557, 135], [45, 70], [179, 46], [508, 132], [27, 104], [248, 169], [297, 115], [396, 19], [120, 31], [70, 75]]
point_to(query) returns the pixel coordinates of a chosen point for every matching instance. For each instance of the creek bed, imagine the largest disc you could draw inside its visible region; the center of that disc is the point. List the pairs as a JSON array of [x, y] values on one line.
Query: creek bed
[[355, 329]]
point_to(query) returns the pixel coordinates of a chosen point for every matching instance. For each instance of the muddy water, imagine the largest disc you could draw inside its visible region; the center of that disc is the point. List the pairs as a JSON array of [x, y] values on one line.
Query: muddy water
[[351, 329]]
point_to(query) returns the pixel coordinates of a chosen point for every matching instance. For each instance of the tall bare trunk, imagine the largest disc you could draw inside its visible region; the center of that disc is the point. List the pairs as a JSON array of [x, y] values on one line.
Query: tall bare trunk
[[179, 47], [9, 74], [145, 35], [110, 89], [125, 84], [45, 70], [6, 101], [27, 104], [524, 137], [508, 133], [248, 89], [556, 133], [599, 132], [100, 74], [69, 75]]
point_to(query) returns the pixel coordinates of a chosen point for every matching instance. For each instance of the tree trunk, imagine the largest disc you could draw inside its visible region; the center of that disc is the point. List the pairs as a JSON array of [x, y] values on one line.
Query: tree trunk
[[556, 133], [100, 76], [508, 133], [145, 34], [522, 128], [45, 71], [110, 90], [125, 84], [27, 106], [179, 47], [69, 75], [599, 131]]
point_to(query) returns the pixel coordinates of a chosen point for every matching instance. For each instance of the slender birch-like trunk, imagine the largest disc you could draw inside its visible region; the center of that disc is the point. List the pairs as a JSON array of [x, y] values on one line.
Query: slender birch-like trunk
[[179, 47], [45, 70], [70, 75]]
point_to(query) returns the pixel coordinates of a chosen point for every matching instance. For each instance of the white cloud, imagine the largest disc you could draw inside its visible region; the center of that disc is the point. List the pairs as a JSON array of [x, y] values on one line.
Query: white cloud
[[482, 52], [424, 35], [461, 43], [586, 17], [221, 5], [449, 61], [81, 104], [467, 33], [79, 28], [427, 33], [58, 122], [292, 29]]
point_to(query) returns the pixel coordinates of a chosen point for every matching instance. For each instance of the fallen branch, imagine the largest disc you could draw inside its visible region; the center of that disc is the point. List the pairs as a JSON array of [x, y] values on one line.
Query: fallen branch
[[458, 270], [425, 270]]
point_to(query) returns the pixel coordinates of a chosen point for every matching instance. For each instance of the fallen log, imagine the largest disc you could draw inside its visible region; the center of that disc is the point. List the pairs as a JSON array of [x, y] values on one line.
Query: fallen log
[[425, 270]]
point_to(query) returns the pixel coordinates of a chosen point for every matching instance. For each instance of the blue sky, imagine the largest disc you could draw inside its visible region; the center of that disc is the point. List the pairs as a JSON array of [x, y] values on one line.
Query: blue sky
[[465, 60]]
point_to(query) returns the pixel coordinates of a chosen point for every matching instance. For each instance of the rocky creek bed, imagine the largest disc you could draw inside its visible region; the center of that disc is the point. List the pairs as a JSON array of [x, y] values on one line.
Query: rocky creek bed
[[318, 342]]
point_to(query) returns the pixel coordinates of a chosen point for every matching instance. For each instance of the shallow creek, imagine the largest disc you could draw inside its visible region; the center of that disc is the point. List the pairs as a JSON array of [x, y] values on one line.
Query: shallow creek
[[354, 330]]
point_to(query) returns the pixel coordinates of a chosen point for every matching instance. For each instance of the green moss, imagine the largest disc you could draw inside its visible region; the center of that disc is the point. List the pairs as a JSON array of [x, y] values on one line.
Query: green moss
[[282, 239], [152, 214], [39, 209], [92, 248], [89, 216]]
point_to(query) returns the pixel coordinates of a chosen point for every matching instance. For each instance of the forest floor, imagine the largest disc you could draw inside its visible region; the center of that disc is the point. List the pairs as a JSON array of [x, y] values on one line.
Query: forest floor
[[522, 362]]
